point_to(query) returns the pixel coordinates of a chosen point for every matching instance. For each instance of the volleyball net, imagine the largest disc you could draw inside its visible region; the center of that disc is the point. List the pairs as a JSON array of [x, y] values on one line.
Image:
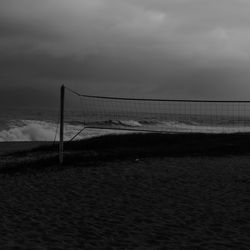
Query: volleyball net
[[155, 115]]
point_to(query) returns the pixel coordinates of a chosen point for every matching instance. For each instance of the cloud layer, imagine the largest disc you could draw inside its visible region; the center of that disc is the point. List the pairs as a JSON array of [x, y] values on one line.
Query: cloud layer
[[161, 48]]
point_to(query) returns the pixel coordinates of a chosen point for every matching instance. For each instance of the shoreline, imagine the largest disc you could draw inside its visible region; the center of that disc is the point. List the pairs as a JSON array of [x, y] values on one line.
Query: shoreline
[[168, 144], [16, 146], [23, 157]]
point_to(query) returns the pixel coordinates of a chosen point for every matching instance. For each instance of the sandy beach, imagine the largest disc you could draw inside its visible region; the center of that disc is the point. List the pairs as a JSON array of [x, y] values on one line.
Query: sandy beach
[[189, 202], [12, 147]]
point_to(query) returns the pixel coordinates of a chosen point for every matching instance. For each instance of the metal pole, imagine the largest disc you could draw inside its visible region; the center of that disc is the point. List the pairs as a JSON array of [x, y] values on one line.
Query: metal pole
[[61, 124]]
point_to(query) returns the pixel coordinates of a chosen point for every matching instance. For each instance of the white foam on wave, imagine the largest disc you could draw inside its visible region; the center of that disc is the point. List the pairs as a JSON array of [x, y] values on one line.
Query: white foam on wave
[[124, 123], [27, 130], [175, 126], [33, 130], [131, 123]]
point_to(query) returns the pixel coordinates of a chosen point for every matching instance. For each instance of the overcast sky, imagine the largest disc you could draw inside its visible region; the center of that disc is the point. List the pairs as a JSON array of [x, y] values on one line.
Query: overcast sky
[[146, 48]]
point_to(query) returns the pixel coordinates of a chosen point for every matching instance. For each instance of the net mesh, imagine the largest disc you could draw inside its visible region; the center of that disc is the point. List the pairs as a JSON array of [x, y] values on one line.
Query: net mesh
[[152, 115]]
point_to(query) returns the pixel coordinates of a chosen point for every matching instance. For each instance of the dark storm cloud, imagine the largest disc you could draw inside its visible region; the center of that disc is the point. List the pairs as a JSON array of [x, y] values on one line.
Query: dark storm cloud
[[14, 30], [161, 48]]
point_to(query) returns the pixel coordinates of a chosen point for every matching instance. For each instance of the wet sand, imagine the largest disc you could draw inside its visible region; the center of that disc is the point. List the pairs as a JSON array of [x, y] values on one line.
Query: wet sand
[[200, 202]]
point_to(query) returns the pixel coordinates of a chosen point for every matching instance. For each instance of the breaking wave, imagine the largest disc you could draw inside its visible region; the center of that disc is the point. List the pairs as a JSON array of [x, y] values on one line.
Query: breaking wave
[[124, 123], [27, 130], [170, 126], [140, 123], [34, 130]]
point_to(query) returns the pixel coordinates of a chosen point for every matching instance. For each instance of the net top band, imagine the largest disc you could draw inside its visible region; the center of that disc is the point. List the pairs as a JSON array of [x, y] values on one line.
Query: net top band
[[155, 100]]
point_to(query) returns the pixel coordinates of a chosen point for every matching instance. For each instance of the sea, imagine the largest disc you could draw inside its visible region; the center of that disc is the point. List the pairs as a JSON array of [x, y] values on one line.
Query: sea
[[42, 124]]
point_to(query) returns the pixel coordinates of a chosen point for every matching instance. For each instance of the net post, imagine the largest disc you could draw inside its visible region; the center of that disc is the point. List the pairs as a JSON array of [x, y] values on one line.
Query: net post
[[61, 123]]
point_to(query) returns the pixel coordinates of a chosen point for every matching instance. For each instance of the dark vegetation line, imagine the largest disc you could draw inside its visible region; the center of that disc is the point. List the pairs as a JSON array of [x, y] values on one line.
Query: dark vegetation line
[[92, 152]]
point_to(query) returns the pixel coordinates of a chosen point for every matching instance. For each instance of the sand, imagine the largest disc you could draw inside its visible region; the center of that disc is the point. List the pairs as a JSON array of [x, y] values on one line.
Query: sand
[[137, 203], [10, 147]]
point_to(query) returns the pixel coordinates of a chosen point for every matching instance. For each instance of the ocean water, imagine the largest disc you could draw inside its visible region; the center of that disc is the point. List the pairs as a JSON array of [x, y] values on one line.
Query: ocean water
[[34, 124]]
